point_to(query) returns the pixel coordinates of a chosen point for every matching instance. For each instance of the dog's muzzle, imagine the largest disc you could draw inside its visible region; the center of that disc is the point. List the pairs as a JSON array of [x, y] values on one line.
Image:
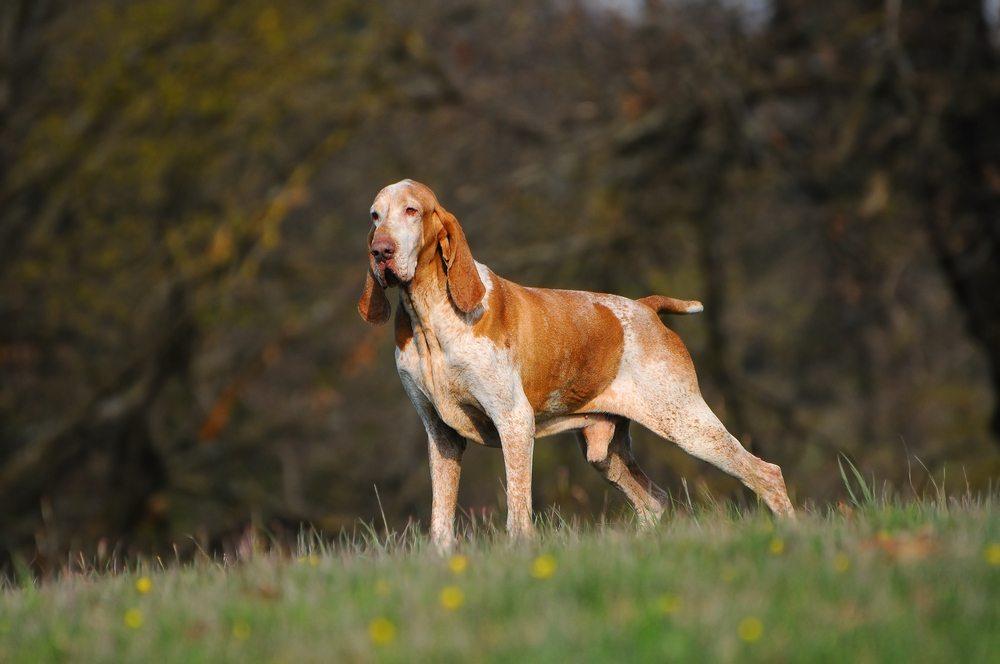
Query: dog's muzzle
[[383, 250], [389, 276]]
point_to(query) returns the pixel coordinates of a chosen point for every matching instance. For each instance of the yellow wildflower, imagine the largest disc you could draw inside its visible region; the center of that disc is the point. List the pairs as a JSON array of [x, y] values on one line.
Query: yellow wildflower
[[458, 564], [841, 563], [381, 631], [750, 629], [668, 604], [241, 631], [143, 585], [452, 597], [993, 554], [543, 567], [777, 546], [133, 618]]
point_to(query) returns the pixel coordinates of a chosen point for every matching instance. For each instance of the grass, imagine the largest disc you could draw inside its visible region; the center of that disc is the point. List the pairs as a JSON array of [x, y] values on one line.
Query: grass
[[882, 581]]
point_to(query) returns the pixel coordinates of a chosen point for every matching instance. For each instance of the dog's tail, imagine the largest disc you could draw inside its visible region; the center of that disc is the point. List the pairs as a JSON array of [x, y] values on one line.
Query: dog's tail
[[662, 304]]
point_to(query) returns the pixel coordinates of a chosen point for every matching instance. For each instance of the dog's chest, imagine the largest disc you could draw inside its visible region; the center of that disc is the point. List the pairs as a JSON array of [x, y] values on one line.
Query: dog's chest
[[464, 377]]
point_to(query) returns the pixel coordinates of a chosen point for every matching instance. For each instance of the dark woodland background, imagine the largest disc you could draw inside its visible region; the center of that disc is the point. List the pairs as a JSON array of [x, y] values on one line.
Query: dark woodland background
[[183, 212]]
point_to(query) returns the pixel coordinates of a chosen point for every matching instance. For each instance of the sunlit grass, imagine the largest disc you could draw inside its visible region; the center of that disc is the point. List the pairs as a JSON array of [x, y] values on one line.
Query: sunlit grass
[[880, 580]]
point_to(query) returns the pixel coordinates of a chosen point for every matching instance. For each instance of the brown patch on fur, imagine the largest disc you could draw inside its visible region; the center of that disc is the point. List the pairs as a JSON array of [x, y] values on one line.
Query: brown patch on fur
[[568, 347], [464, 286], [404, 327]]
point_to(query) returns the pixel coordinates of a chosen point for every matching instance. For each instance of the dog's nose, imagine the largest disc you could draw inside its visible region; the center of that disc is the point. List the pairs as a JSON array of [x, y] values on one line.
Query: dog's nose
[[383, 249]]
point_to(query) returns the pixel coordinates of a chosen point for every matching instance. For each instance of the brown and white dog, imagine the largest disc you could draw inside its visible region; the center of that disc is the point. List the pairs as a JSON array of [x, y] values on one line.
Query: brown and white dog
[[485, 359]]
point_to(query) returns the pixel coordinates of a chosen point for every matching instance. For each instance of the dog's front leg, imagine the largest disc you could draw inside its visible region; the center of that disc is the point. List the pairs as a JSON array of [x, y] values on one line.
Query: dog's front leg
[[517, 439], [445, 448]]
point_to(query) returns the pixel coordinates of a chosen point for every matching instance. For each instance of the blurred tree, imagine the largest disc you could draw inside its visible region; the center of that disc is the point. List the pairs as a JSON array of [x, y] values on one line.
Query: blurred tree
[[947, 73], [182, 219]]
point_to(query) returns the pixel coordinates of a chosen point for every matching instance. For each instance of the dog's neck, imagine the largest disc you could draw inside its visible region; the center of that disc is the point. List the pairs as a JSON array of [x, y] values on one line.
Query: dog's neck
[[426, 299]]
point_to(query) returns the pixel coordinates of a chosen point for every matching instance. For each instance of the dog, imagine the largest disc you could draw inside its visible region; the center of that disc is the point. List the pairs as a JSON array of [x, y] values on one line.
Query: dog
[[485, 359]]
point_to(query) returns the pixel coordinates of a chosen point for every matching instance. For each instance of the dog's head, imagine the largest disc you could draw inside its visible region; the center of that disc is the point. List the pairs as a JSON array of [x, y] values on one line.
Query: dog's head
[[410, 229]]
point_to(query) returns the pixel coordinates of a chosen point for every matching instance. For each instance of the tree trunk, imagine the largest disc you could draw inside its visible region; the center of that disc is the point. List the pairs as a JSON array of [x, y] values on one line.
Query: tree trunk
[[960, 164]]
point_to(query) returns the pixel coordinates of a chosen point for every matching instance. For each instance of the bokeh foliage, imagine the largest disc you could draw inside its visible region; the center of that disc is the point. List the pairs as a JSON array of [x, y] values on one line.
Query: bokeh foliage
[[183, 211]]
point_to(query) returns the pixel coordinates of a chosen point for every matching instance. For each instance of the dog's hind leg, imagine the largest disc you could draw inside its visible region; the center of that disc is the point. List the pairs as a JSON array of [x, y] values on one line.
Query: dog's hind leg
[[693, 426], [658, 388], [608, 447]]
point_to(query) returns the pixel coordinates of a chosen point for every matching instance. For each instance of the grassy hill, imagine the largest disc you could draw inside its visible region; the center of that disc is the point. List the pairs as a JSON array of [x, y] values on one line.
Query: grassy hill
[[917, 581]]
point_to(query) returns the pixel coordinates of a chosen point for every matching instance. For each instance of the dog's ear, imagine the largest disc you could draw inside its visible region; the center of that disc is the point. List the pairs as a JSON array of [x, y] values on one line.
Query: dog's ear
[[373, 305], [464, 285]]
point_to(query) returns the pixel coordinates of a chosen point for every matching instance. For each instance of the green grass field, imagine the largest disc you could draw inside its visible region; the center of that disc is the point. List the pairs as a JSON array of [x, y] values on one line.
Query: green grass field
[[897, 582]]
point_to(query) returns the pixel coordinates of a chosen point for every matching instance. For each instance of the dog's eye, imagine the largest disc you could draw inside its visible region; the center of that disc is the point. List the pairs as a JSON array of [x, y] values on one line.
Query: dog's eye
[[411, 211], [374, 215]]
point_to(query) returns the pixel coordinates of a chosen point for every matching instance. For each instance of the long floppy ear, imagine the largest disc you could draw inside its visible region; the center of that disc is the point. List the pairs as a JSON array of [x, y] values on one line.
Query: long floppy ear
[[373, 305], [464, 285]]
